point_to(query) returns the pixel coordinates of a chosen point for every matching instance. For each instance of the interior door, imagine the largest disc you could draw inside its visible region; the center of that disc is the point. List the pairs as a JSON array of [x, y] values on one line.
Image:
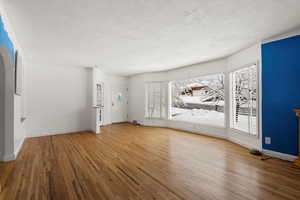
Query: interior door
[[119, 104]]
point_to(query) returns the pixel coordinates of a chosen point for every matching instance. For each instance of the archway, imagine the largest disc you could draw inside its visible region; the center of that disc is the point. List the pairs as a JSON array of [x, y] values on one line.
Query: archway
[[6, 105]]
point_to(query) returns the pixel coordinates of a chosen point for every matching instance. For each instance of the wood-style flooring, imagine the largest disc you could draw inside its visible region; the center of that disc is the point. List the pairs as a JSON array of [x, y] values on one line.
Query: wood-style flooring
[[129, 162]]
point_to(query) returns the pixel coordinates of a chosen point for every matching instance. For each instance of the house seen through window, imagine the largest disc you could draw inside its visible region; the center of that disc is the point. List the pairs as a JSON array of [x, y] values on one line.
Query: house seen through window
[[198, 100]]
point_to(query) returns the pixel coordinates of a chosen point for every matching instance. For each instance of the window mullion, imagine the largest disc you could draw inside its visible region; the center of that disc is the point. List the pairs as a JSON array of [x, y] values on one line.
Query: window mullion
[[249, 96]]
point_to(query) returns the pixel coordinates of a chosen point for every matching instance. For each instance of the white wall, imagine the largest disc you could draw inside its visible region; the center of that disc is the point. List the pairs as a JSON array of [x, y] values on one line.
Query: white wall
[[110, 82], [19, 111], [19, 126], [58, 99]]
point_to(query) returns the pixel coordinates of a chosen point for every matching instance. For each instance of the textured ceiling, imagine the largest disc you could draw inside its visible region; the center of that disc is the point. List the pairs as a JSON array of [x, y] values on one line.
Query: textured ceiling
[[126, 37]]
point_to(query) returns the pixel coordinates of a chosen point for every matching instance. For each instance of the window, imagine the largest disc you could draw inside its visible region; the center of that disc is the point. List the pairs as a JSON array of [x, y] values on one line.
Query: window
[[198, 100], [156, 100], [99, 101], [244, 99]]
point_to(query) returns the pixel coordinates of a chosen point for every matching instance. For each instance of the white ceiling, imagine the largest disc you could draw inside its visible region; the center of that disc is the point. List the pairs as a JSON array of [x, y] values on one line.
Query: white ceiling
[[126, 37]]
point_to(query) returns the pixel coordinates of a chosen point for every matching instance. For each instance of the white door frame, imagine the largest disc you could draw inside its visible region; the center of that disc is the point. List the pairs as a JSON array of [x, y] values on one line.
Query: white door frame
[[7, 105]]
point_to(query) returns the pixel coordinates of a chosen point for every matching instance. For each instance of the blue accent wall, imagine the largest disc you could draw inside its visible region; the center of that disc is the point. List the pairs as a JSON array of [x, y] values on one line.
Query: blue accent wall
[[4, 39], [281, 94]]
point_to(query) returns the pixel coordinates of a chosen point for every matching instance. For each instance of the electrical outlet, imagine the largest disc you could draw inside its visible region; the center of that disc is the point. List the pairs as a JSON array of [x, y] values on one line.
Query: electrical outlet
[[267, 140]]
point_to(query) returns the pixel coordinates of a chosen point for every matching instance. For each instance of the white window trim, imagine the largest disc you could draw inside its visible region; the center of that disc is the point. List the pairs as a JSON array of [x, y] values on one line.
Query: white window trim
[[147, 97], [257, 64], [192, 77]]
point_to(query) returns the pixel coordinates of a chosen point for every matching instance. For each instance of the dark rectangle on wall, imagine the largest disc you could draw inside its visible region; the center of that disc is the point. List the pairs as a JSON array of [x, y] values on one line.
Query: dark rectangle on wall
[[281, 94]]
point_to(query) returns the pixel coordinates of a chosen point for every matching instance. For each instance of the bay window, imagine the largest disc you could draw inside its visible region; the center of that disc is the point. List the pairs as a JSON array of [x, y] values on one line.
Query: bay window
[[201, 100]]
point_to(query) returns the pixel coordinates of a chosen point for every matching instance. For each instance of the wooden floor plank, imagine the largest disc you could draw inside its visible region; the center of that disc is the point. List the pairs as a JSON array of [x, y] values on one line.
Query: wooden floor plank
[[129, 162]]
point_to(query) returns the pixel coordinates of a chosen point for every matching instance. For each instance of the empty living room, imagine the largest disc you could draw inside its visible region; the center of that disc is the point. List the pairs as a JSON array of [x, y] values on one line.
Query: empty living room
[[136, 99]]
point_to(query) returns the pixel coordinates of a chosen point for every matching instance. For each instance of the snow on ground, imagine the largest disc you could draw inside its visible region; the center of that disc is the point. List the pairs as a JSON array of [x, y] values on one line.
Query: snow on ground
[[209, 117], [197, 100], [242, 124], [176, 110], [199, 116]]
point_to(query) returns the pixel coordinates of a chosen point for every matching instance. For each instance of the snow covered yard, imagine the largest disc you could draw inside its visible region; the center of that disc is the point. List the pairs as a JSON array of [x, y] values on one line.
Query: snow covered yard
[[199, 116], [209, 117], [197, 100]]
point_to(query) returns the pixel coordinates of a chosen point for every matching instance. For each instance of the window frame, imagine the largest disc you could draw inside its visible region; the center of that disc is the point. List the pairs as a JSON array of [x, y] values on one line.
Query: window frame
[[258, 80], [224, 74], [163, 112]]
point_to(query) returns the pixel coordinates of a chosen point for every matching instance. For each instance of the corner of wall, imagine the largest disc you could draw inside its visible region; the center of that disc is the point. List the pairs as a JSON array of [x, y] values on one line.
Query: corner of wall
[[282, 36]]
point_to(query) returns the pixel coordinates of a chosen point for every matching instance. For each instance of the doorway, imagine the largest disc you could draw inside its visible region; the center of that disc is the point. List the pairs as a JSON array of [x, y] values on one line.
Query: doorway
[[119, 100]]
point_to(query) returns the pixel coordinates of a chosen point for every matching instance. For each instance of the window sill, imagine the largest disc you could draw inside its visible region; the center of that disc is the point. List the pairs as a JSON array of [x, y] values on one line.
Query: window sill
[[186, 122], [197, 124]]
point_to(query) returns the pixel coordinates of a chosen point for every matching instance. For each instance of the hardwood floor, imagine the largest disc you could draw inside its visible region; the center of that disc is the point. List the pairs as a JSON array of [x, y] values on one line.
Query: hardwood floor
[[128, 162]]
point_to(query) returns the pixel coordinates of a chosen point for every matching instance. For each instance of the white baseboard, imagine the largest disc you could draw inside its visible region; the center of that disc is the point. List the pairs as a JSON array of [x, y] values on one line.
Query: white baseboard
[[242, 143], [155, 123], [279, 155], [52, 133], [9, 157], [106, 124], [211, 131], [19, 148], [199, 132], [13, 156]]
